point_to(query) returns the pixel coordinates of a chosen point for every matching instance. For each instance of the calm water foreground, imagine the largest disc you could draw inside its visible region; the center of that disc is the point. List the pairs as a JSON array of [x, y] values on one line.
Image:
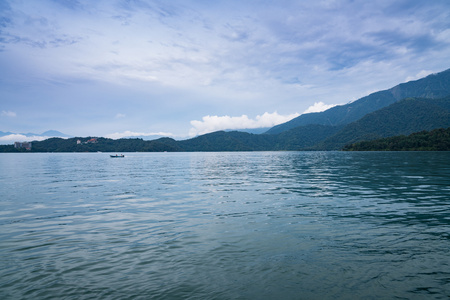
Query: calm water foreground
[[259, 225]]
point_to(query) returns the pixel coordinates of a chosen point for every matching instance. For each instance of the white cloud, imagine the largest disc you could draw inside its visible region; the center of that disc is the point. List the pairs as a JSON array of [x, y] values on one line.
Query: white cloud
[[127, 134], [11, 138], [215, 123], [120, 116], [318, 107], [419, 75], [8, 114]]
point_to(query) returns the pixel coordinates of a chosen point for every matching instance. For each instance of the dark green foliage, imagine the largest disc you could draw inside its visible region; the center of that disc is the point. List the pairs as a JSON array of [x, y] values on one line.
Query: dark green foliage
[[435, 140], [10, 148], [340, 115], [102, 144], [401, 118], [432, 86], [303, 137], [228, 141], [295, 139]]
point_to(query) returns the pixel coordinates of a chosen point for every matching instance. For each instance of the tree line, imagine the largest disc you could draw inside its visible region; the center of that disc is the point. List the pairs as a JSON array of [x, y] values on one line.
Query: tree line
[[434, 140]]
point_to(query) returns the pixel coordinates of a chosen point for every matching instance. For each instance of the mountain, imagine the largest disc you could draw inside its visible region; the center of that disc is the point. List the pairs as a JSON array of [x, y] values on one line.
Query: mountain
[[432, 86], [5, 133], [228, 141], [303, 137], [250, 130], [11, 137], [294, 139], [401, 118], [144, 137], [55, 133], [49, 133]]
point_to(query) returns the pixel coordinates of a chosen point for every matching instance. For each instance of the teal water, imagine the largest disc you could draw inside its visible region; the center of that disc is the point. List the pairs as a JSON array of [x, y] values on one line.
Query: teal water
[[258, 225]]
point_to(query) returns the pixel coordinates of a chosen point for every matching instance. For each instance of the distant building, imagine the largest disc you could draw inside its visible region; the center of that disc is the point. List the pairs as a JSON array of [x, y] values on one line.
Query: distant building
[[26, 145], [90, 141]]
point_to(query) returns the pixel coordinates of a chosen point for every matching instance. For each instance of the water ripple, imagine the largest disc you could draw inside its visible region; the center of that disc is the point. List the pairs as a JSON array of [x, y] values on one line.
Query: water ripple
[[266, 225]]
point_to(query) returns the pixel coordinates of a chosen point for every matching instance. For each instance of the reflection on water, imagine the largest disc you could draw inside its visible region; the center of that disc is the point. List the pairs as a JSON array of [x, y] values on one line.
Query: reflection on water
[[259, 225]]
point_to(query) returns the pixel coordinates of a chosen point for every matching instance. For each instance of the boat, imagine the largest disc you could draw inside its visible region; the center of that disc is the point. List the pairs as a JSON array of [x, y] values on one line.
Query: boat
[[121, 155]]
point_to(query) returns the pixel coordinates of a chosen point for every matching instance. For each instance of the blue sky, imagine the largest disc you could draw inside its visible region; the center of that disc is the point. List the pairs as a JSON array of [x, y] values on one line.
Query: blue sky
[[181, 68]]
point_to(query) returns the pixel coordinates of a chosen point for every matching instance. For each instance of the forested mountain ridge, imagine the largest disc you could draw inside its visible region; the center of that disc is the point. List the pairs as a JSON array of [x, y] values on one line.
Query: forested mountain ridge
[[401, 118], [433, 86]]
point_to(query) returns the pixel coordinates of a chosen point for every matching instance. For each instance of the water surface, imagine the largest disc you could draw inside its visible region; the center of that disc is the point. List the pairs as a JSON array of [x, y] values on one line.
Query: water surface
[[258, 225]]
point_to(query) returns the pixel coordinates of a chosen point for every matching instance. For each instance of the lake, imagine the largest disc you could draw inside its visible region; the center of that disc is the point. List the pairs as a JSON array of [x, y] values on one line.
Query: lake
[[227, 225]]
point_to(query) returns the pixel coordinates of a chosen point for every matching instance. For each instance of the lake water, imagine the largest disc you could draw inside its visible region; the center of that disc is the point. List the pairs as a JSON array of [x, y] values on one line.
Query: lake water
[[238, 225]]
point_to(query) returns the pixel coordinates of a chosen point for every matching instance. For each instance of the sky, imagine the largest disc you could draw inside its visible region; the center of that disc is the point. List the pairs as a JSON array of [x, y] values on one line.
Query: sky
[[182, 68]]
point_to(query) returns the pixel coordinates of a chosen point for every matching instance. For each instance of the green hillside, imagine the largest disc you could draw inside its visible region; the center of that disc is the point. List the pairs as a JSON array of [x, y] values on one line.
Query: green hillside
[[228, 141], [401, 118], [303, 137], [100, 144], [435, 140], [432, 86]]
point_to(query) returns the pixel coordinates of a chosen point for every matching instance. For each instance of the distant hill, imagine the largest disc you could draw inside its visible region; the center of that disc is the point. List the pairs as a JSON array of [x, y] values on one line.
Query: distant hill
[[250, 130], [11, 137], [228, 141], [5, 133], [303, 137], [432, 86], [90, 144], [55, 133], [49, 133], [435, 140], [295, 139]]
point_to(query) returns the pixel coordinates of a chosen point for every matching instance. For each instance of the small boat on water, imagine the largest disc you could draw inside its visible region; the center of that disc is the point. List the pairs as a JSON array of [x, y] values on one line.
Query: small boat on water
[[121, 155]]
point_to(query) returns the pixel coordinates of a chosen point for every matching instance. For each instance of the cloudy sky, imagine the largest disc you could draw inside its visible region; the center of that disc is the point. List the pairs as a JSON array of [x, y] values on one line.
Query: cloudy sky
[[186, 67]]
